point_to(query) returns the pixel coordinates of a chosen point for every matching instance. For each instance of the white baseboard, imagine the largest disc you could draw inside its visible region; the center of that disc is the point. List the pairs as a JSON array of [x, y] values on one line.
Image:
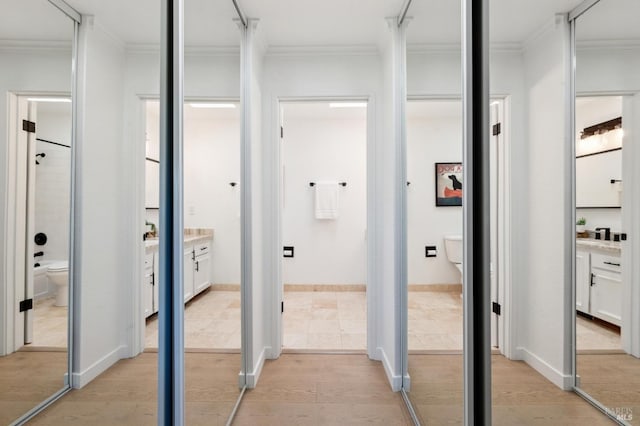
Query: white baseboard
[[253, 376], [395, 380], [563, 381], [79, 380]]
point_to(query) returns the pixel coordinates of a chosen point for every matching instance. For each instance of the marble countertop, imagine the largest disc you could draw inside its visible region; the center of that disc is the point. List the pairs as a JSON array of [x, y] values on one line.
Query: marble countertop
[[151, 245], [590, 243]]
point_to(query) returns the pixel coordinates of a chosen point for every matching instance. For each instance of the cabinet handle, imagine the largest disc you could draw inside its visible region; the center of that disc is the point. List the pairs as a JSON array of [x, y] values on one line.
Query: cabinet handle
[[593, 279], [612, 263], [197, 266], [203, 248]]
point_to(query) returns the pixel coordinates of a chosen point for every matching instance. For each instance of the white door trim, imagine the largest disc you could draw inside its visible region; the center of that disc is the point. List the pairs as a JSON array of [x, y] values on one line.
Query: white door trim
[[277, 290]]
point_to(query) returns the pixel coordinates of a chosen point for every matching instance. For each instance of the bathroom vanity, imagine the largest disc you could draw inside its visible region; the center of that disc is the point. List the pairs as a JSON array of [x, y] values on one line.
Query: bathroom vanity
[[197, 269], [599, 279]]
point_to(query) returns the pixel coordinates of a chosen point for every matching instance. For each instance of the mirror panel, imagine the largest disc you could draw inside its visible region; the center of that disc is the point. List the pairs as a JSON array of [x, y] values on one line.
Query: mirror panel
[[35, 58], [607, 283]]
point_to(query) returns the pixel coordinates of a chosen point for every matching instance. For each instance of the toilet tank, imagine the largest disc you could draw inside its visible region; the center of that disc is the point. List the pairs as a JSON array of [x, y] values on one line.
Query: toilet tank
[[453, 247]]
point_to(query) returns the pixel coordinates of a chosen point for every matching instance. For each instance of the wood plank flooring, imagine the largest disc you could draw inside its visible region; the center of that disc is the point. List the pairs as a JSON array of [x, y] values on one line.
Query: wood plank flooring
[[27, 379], [301, 389], [521, 396], [126, 394]]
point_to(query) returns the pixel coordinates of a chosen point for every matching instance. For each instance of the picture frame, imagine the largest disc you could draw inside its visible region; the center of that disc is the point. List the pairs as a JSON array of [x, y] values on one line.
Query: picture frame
[[448, 184]]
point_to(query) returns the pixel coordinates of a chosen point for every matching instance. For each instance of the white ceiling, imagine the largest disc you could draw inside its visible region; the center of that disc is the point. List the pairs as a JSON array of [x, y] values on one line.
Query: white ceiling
[[435, 109], [312, 22]]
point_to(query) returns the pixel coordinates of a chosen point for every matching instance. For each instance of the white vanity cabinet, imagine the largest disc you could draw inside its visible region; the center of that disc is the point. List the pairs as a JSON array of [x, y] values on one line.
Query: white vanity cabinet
[[188, 272], [583, 272], [202, 267], [599, 284], [148, 285], [606, 288]]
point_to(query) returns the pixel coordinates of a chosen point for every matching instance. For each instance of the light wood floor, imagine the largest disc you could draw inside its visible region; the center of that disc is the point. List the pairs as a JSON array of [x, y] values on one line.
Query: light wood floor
[[300, 389], [520, 395], [126, 394], [27, 379], [614, 380]]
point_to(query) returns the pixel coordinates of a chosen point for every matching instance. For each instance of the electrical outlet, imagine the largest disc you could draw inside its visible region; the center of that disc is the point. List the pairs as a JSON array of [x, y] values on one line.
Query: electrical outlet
[[288, 251], [430, 251]]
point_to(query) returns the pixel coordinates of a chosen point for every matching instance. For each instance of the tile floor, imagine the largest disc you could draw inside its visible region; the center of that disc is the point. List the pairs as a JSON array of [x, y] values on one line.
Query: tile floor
[[49, 324], [312, 321]]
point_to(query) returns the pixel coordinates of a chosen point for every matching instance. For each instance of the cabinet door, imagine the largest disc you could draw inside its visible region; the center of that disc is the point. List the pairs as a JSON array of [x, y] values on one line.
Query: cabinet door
[[156, 283], [583, 281], [188, 273], [147, 294], [202, 273], [606, 295]]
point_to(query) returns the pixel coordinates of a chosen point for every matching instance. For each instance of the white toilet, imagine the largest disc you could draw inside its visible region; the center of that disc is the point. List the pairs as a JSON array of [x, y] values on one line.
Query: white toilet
[[453, 247], [58, 274]]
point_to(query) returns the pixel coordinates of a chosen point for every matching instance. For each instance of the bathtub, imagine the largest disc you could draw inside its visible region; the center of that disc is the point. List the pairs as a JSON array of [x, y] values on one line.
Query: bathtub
[[41, 287]]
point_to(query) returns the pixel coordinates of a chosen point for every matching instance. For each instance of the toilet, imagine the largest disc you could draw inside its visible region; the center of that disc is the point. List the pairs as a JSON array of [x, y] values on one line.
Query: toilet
[[453, 247], [58, 274]]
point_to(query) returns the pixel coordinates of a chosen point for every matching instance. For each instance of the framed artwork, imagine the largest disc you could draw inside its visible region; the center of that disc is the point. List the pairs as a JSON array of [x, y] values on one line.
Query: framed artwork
[[448, 184]]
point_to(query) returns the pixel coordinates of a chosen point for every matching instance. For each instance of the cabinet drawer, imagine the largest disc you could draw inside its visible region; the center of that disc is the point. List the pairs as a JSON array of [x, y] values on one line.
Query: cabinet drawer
[[202, 249], [606, 262]]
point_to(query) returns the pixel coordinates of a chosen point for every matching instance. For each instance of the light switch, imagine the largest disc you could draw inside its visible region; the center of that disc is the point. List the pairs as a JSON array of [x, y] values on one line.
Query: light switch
[[430, 251]]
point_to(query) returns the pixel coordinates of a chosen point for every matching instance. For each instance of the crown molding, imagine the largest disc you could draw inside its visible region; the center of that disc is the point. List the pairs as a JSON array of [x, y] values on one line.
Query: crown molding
[[614, 44], [206, 51], [324, 50], [44, 46]]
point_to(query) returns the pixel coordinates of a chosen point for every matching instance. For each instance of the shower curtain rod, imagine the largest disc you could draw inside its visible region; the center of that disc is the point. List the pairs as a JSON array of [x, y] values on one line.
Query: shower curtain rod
[[53, 143]]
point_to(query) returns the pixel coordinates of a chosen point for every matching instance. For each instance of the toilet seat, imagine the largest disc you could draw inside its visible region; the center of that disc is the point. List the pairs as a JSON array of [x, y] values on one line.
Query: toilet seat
[[58, 267]]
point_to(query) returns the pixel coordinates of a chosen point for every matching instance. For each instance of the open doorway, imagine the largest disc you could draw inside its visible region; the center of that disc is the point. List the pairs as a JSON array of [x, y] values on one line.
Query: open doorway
[[40, 166], [324, 225], [435, 176], [211, 221]]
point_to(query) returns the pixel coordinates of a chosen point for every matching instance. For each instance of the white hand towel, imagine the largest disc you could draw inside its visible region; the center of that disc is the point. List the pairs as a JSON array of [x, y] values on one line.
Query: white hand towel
[[326, 200]]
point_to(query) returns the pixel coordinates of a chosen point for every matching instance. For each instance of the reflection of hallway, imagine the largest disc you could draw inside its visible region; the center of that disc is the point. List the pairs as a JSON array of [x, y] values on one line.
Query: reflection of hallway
[[211, 321], [28, 378], [521, 396]]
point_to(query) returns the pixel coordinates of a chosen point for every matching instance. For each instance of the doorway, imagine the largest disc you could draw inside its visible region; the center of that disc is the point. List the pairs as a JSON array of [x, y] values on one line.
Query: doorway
[[40, 142], [434, 220], [324, 225], [211, 221]]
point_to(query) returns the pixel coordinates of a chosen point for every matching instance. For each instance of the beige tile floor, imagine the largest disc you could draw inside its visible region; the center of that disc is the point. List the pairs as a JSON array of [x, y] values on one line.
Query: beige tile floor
[[593, 336], [312, 321], [49, 324]]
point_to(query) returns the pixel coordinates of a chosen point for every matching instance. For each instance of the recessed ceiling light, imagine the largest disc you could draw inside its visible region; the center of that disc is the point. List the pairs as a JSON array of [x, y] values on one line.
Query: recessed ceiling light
[[66, 100], [211, 105], [348, 105]]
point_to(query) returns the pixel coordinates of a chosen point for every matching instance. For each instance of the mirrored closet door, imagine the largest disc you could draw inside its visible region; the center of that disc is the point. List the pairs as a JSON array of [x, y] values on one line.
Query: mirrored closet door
[[36, 44], [607, 277]]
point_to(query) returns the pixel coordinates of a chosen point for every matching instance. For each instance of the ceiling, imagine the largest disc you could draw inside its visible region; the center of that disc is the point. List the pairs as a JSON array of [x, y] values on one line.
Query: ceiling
[[435, 109], [312, 22], [321, 111]]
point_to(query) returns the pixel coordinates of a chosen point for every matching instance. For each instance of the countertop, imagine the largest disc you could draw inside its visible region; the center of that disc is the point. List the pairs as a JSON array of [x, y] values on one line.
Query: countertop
[[590, 243], [151, 245]]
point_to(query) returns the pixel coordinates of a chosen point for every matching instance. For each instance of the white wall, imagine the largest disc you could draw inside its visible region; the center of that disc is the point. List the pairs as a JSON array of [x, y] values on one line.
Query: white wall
[[330, 146], [543, 321], [103, 280], [52, 187], [431, 138], [212, 161]]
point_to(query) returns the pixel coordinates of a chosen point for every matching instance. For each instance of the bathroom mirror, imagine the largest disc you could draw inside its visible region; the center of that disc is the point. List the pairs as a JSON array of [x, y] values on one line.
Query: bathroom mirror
[[35, 120], [607, 279]]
